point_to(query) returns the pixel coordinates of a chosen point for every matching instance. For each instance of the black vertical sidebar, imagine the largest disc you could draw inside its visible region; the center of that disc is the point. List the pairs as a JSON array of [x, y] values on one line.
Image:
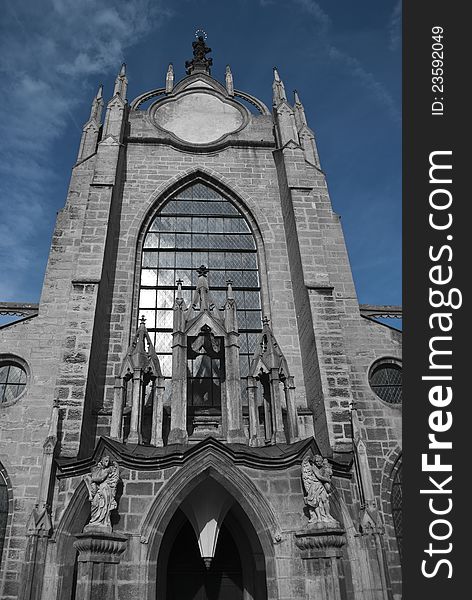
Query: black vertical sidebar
[[437, 254]]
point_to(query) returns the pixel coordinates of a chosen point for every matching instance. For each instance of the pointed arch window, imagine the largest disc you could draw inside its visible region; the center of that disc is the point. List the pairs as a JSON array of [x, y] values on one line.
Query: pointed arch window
[[3, 510], [396, 500], [199, 226]]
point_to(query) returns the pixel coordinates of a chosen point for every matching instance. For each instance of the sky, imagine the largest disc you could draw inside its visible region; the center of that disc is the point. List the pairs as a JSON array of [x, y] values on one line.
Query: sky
[[343, 58]]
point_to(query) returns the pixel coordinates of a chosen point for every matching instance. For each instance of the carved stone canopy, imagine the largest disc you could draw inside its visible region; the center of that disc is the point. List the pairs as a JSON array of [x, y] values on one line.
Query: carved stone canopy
[[141, 355], [268, 354]]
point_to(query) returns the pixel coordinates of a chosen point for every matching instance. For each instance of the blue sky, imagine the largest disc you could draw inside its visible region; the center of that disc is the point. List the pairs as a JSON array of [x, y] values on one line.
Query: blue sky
[[343, 57]]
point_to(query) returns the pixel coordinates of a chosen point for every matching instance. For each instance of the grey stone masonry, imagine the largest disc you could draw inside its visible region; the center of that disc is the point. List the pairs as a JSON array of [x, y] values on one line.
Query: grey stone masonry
[[73, 350]]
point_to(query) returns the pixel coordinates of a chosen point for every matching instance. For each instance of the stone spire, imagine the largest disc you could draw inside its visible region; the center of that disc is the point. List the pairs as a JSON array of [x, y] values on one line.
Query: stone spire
[[170, 78], [286, 130], [121, 83], [305, 134], [200, 63], [116, 108], [299, 111], [278, 89], [97, 106], [91, 129]]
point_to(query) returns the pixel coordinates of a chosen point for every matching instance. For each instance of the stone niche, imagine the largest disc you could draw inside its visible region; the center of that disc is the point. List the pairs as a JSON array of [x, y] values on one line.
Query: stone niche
[[198, 117]]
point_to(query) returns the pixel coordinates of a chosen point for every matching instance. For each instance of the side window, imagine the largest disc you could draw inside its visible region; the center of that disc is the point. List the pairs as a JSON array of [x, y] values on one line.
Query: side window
[[3, 511], [396, 501], [385, 379], [13, 378]]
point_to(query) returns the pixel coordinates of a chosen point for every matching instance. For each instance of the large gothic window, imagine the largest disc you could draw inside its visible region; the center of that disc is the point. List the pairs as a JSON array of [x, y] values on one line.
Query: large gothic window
[[199, 226]]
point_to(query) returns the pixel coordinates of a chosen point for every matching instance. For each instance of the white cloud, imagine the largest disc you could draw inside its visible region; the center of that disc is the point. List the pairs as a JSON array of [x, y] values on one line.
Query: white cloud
[[395, 25], [324, 35], [314, 9], [47, 52]]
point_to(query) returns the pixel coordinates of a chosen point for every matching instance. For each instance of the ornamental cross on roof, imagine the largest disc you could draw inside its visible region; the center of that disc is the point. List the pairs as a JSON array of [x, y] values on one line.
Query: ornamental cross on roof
[[200, 63]]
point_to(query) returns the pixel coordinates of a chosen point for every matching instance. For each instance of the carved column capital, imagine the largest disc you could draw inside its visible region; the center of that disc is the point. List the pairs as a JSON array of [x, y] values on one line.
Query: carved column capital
[[319, 541], [100, 547]]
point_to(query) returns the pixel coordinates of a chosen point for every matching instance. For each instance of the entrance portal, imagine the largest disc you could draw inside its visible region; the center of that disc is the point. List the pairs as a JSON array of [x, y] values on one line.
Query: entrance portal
[[189, 579]]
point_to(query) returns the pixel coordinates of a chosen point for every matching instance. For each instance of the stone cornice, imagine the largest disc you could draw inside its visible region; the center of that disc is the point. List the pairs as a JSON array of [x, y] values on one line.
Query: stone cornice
[[150, 458]]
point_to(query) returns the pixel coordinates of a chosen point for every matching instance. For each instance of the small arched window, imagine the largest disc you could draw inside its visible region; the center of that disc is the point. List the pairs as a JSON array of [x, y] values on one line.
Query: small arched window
[[199, 226]]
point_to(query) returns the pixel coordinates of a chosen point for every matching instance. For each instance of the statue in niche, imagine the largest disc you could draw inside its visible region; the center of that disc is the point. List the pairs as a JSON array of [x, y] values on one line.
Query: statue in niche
[[207, 343], [101, 484], [316, 476]]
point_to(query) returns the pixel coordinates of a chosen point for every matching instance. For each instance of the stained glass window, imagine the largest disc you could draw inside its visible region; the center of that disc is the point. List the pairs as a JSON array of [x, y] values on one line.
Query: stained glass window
[[386, 382], [199, 226], [12, 381]]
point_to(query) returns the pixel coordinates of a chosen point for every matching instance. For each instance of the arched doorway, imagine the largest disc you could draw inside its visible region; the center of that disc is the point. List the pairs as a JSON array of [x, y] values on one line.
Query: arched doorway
[[237, 570], [189, 577]]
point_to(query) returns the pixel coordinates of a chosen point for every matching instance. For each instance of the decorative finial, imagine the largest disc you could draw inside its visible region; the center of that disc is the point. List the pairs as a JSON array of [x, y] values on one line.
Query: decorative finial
[[278, 89], [170, 78], [265, 321], [229, 291], [202, 271], [229, 81], [299, 112], [121, 82], [97, 105], [142, 321], [200, 63]]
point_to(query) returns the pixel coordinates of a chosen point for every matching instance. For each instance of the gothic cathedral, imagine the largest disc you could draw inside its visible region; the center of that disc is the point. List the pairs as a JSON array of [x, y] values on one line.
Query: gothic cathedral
[[199, 408]]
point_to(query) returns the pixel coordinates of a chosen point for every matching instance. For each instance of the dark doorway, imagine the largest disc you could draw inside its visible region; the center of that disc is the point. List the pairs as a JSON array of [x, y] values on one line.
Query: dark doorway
[[189, 579]]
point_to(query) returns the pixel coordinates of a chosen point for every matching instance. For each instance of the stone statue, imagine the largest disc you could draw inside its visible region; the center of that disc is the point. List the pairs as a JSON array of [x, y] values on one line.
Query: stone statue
[[200, 49], [316, 476], [101, 484], [200, 61]]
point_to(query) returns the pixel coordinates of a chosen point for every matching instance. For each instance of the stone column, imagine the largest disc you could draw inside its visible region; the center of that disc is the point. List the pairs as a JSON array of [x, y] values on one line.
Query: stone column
[[136, 409], [32, 573], [253, 418], [99, 555], [278, 435], [234, 408], [117, 411], [178, 417], [321, 550], [292, 417], [157, 411]]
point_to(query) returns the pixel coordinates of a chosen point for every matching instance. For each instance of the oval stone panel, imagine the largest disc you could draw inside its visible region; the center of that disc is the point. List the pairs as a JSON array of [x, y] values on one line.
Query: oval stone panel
[[198, 118]]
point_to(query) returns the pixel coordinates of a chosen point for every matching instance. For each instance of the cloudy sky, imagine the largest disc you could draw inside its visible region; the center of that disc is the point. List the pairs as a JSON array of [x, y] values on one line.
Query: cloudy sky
[[343, 57]]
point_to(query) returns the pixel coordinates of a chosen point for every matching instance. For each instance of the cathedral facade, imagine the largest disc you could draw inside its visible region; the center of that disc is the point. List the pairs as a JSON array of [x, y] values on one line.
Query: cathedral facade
[[199, 408]]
